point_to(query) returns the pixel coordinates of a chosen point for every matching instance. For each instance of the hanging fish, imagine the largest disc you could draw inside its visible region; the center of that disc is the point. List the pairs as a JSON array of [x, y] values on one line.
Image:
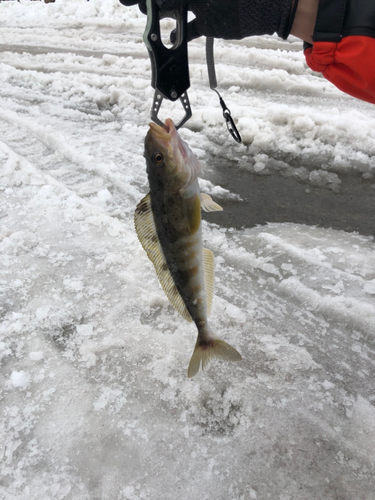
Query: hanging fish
[[168, 225]]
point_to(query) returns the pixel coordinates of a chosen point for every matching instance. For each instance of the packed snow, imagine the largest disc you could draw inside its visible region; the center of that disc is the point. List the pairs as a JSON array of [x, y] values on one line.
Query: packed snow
[[95, 400]]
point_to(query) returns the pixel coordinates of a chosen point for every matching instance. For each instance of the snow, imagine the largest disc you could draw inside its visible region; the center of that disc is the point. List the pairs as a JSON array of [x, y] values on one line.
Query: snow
[[20, 379], [95, 399]]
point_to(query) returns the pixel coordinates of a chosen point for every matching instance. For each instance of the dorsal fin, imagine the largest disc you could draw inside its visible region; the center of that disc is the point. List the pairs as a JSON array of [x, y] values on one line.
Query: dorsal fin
[[148, 236]]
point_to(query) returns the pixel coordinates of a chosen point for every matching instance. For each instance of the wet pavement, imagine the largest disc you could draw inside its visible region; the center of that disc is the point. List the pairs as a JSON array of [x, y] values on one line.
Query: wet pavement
[[273, 198]]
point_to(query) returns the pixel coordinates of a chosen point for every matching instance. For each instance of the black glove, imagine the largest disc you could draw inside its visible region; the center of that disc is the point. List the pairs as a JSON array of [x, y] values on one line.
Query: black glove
[[142, 4], [213, 18], [216, 18], [231, 19]]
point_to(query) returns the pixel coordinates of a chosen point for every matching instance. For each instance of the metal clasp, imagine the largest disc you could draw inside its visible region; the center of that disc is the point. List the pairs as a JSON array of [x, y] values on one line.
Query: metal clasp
[[229, 120]]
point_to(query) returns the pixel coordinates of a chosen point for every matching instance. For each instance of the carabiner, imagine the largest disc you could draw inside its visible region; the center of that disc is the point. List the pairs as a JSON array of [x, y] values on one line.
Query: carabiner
[[231, 126], [232, 129]]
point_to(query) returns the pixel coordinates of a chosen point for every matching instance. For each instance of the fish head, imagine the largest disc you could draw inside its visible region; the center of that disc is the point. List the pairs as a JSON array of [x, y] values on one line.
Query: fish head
[[169, 157]]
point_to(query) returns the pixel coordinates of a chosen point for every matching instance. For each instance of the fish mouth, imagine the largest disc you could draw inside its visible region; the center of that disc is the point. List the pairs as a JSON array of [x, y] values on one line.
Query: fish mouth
[[166, 140], [163, 134]]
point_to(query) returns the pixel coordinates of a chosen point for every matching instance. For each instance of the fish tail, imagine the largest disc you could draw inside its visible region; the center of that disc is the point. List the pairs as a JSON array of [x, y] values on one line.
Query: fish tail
[[205, 351]]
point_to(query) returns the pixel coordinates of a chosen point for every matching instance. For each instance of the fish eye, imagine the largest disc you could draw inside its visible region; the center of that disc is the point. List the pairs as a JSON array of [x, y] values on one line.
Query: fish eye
[[158, 157]]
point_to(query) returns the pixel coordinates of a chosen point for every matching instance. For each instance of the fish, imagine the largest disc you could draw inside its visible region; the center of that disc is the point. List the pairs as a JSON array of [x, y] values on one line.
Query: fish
[[168, 225]]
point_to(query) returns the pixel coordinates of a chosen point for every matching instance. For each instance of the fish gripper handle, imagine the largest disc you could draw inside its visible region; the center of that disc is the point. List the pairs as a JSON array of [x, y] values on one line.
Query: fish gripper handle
[[170, 66]]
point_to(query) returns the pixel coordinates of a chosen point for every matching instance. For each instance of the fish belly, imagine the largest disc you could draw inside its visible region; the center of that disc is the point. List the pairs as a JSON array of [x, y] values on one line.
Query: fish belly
[[178, 223]]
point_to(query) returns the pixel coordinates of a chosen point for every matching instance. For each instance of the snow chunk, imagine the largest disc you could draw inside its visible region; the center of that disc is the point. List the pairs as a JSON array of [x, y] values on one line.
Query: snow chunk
[[369, 287], [36, 355], [85, 330], [235, 313], [20, 379], [42, 312], [74, 285], [325, 179], [104, 195], [209, 188], [328, 385]]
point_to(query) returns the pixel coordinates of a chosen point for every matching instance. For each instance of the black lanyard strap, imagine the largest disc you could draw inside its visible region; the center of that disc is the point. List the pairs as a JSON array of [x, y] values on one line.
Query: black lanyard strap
[[232, 129]]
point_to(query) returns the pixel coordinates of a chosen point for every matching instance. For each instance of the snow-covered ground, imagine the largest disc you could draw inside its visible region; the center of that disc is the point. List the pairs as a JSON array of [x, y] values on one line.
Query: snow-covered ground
[[95, 401]]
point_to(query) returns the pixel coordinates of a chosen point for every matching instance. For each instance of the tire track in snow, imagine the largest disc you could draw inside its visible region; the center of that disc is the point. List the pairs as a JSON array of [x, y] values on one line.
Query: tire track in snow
[[47, 149]]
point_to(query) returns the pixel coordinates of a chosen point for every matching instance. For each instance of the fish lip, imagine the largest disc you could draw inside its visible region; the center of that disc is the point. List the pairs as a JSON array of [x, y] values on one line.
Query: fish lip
[[163, 134]]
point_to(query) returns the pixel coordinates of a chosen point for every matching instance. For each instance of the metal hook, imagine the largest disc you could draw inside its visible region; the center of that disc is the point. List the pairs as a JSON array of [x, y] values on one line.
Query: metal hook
[[158, 99]]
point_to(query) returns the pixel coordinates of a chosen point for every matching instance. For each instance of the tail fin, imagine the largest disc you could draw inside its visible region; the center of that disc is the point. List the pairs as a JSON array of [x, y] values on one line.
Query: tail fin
[[205, 352]]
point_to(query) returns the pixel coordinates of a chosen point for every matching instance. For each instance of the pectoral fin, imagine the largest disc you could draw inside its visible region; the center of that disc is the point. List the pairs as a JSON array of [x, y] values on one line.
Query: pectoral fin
[[208, 204], [148, 236]]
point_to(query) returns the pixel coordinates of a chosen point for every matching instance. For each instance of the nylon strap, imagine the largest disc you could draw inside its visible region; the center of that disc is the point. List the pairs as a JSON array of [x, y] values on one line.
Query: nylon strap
[[213, 84]]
